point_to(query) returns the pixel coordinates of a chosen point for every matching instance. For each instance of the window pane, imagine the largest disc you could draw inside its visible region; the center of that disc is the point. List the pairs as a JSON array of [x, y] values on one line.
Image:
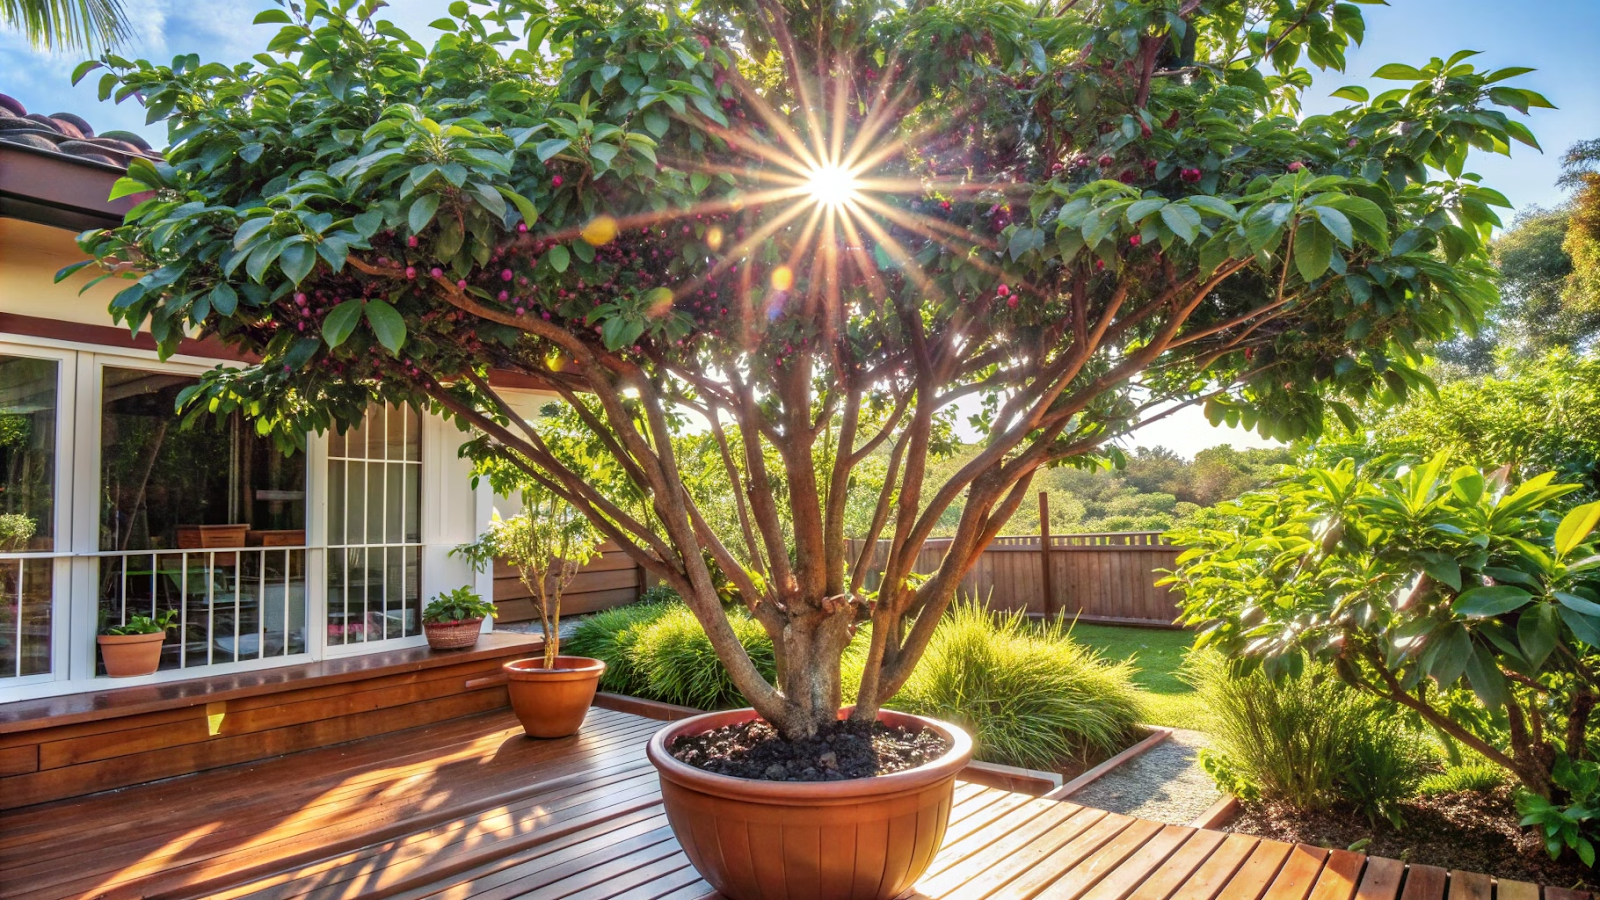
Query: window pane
[[25, 593], [27, 454]]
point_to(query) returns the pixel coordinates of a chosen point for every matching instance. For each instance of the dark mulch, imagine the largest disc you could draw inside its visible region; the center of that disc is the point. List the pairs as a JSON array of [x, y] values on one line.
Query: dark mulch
[[1473, 832], [842, 751]]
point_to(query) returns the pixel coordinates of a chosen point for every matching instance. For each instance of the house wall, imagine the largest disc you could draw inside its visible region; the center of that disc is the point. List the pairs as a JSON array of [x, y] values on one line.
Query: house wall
[[40, 315]]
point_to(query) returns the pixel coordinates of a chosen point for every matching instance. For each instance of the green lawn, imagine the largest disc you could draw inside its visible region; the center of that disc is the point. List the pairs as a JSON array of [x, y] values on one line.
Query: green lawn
[[1156, 653]]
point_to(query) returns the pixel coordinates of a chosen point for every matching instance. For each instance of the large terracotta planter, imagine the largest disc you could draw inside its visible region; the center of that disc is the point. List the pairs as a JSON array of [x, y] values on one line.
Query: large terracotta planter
[[551, 703], [129, 655], [863, 839]]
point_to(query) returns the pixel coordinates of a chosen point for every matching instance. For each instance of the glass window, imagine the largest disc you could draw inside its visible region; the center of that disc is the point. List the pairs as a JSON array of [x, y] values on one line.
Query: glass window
[[375, 528], [178, 504], [28, 400]]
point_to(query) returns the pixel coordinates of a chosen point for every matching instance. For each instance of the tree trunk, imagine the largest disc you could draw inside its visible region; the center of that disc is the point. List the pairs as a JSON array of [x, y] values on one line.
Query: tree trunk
[[812, 649]]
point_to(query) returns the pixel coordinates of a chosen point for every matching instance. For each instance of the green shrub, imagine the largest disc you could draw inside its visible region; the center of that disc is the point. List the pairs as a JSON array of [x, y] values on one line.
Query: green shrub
[[1471, 777], [1308, 741], [674, 657], [1029, 694], [609, 637]]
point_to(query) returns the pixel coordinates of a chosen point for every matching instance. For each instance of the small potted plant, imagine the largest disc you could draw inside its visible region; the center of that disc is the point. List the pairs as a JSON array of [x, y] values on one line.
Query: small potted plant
[[547, 544], [454, 618], [134, 647]]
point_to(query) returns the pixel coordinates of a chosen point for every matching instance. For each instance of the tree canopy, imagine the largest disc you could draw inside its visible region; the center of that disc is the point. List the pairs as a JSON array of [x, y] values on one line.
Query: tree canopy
[[823, 228]]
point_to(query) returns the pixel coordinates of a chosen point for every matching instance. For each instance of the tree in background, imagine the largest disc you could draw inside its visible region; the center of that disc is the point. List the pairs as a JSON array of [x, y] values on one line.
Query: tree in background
[[820, 226], [84, 25], [1539, 416], [1581, 171]]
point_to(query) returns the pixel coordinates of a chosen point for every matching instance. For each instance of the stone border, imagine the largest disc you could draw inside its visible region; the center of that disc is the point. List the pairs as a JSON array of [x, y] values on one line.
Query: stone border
[[1156, 736]]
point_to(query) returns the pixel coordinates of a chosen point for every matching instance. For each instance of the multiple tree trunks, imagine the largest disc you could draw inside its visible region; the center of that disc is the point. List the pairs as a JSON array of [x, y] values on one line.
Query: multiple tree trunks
[[1109, 578], [613, 579], [64, 747], [470, 808]]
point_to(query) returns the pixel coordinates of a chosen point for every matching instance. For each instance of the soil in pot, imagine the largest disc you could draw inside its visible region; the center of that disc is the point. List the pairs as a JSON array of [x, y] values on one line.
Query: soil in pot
[[1470, 831], [840, 751]]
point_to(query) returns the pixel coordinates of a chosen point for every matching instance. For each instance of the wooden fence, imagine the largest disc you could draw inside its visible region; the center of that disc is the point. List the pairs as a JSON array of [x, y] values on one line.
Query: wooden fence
[[609, 581], [1107, 577]]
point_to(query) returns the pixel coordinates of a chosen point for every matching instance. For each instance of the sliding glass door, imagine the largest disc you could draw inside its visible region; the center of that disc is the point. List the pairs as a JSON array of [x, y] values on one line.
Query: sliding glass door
[[30, 415]]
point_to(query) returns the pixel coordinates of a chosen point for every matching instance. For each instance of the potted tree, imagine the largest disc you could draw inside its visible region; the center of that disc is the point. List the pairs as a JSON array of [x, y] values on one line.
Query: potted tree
[[547, 543], [810, 244], [134, 647], [453, 620]]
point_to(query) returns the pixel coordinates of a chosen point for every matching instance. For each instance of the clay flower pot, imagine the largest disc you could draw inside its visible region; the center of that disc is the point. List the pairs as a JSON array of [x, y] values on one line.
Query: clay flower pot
[[455, 635], [863, 839], [129, 655], [551, 703]]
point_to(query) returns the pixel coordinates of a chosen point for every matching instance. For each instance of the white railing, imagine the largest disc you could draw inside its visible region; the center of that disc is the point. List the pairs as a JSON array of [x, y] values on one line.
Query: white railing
[[233, 604]]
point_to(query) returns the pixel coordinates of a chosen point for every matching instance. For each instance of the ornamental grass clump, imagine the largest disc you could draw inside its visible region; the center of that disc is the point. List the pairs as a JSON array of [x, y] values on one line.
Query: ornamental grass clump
[[609, 636], [680, 665], [1030, 695]]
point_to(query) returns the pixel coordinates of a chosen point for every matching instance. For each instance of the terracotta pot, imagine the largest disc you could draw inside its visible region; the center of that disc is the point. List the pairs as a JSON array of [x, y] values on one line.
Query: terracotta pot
[[863, 839], [458, 634], [128, 655], [552, 703]]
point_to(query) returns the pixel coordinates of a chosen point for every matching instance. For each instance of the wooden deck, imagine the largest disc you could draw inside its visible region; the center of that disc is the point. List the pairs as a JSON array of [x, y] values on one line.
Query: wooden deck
[[469, 808]]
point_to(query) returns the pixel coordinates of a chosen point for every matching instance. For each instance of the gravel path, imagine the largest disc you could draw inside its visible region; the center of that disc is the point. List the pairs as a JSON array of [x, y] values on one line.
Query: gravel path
[[567, 627], [1165, 783]]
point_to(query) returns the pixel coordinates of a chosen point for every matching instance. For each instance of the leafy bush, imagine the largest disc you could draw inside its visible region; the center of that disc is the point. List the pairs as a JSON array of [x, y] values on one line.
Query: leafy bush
[[675, 657], [1568, 823], [458, 605], [659, 593], [1309, 741], [1468, 777], [1417, 584], [609, 636], [1029, 694]]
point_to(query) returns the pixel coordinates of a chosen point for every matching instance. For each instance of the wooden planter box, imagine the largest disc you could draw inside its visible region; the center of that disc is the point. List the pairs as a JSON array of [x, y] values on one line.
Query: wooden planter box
[[295, 537], [211, 537]]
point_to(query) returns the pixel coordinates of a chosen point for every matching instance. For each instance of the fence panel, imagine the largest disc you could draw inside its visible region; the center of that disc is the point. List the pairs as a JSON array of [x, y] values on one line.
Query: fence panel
[[608, 581], [1097, 577]]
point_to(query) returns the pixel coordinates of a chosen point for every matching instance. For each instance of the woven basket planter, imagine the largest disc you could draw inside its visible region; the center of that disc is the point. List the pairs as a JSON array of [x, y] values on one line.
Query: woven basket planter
[[457, 635]]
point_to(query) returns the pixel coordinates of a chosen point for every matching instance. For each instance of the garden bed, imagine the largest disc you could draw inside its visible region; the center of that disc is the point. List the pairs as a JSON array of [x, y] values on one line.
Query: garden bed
[[1471, 831]]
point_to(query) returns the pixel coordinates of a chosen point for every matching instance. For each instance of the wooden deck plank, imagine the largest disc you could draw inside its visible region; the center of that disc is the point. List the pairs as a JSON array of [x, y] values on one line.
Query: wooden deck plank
[[1047, 869], [1424, 883], [1340, 876], [1506, 889], [1555, 893], [1148, 865], [1208, 878], [1000, 859], [576, 869], [1470, 886], [1102, 862], [1298, 874], [1253, 877], [1382, 879]]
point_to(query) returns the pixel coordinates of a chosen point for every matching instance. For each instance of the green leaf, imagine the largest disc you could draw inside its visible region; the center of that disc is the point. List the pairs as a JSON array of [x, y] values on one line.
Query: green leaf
[[341, 321], [422, 212], [656, 122], [1480, 602], [1352, 92], [1398, 72], [1575, 527], [559, 258], [1488, 682], [387, 324], [1586, 628], [1139, 209], [1538, 629], [297, 261], [65, 272], [368, 223], [1313, 249], [272, 16], [547, 149], [525, 207], [1183, 220], [1577, 604], [224, 299]]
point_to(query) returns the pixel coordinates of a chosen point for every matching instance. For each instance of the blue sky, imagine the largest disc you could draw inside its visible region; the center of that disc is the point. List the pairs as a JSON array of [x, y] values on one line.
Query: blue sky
[[1561, 38]]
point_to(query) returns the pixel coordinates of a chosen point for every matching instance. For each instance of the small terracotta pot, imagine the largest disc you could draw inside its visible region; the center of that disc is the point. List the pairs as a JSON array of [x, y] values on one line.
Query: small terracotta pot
[[863, 839], [552, 703], [454, 635], [129, 655]]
